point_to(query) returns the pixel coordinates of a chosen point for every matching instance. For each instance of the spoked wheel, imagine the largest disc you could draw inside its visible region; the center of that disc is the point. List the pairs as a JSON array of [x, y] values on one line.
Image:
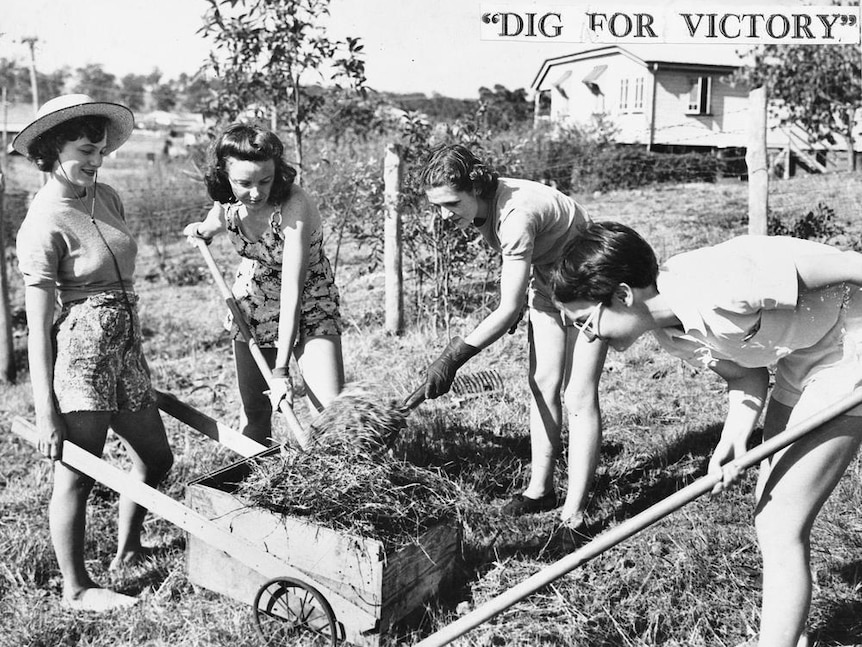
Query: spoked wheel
[[288, 611]]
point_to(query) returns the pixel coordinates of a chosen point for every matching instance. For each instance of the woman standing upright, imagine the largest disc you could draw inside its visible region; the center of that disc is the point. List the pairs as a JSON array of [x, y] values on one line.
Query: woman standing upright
[[87, 367]]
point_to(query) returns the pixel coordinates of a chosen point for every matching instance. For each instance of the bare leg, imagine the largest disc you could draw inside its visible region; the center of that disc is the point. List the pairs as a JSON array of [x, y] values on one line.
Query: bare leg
[[799, 481], [584, 422], [322, 367], [67, 518], [143, 435], [256, 410], [547, 341], [67, 509]]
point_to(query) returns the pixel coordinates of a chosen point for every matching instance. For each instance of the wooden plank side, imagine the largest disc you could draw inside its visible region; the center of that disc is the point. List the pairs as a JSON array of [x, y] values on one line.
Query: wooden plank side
[[206, 425], [216, 571], [414, 573], [351, 566]]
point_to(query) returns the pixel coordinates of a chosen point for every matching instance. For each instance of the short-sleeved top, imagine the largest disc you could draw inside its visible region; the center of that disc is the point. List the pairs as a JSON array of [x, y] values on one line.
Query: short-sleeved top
[[59, 246], [741, 301], [531, 221]]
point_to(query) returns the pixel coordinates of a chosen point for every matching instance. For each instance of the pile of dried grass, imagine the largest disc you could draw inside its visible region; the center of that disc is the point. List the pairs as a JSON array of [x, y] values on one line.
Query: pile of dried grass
[[360, 417], [347, 481]]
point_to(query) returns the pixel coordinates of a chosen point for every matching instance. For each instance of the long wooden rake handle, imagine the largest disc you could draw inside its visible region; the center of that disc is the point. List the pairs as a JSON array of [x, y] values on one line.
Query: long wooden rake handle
[[302, 436], [631, 526]]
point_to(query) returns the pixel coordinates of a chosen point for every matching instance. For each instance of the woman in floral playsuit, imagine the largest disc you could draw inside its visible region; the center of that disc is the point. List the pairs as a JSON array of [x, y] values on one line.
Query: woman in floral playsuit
[[284, 284]]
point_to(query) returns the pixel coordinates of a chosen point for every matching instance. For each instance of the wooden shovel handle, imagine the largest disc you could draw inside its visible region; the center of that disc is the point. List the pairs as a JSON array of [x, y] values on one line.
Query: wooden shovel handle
[[302, 436]]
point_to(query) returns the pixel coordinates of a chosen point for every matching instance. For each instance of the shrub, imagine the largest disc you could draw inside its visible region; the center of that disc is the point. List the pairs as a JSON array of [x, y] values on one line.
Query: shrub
[[629, 167], [818, 224]]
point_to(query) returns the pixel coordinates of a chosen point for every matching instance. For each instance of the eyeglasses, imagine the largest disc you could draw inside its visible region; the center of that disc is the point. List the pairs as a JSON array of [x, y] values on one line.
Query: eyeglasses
[[590, 327]]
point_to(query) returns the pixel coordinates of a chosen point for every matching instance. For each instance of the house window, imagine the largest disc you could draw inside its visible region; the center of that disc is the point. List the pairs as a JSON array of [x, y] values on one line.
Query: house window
[[598, 102], [591, 80], [700, 96], [632, 95], [638, 98], [624, 95], [543, 104]]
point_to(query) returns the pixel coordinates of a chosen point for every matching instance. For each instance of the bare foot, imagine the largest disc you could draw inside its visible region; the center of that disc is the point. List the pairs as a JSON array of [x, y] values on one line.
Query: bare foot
[[130, 558], [99, 600]]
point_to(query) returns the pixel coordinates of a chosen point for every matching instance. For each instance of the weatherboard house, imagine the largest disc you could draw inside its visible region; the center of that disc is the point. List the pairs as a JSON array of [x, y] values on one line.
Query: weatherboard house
[[667, 98]]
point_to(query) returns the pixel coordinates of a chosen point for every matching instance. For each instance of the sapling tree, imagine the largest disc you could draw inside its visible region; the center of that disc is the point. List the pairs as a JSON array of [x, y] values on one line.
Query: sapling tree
[[271, 56], [816, 87]]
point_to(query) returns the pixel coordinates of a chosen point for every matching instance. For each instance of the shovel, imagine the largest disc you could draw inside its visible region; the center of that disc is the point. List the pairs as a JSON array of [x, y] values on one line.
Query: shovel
[[631, 526], [299, 433]]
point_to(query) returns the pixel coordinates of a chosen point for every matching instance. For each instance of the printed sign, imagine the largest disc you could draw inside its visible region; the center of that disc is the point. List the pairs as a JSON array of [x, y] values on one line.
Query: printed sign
[[688, 23]]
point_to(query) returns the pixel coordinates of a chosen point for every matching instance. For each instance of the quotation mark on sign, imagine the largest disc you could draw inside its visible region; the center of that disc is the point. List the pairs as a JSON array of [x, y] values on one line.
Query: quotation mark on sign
[[847, 20], [490, 18]]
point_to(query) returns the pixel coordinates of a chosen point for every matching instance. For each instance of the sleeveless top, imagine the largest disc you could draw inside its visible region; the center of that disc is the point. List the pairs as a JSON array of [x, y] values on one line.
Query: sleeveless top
[[257, 285]]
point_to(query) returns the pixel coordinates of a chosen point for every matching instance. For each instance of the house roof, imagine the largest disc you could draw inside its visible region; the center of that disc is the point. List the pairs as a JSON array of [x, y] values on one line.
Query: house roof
[[16, 116], [723, 58]]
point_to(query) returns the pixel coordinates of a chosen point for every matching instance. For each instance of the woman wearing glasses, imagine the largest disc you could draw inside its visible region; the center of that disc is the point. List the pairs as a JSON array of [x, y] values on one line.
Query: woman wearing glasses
[[529, 224], [739, 308]]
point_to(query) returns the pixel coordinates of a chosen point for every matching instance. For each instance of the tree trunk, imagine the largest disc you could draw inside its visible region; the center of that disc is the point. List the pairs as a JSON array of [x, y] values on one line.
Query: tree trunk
[[393, 170], [7, 356]]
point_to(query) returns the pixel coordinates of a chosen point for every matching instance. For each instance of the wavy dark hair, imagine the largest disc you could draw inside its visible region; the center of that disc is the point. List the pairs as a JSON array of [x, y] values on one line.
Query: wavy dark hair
[[456, 166], [600, 257], [44, 150], [252, 144]]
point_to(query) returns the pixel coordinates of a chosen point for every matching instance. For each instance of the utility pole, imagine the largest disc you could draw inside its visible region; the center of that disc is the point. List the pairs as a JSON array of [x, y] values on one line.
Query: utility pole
[[7, 348], [31, 42]]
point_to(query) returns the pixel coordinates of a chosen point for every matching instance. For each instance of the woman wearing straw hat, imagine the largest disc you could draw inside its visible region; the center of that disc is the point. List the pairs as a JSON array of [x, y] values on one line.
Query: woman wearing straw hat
[[87, 369]]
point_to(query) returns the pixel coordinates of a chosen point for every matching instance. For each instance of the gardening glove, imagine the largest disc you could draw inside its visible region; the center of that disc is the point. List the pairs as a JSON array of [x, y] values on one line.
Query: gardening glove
[[441, 373], [280, 393]]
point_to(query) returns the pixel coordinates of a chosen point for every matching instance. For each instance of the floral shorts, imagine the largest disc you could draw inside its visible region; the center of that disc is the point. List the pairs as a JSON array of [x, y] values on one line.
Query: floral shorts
[[99, 363]]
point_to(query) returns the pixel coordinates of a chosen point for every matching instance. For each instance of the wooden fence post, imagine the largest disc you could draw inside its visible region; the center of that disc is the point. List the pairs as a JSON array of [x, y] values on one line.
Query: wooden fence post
[[393, 170], [7, 355], [755, 159]]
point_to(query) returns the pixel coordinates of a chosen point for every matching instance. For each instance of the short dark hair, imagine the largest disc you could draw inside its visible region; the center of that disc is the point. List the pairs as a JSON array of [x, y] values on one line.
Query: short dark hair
[[456, 166], [600, 257], [44, 150], [252, 144]]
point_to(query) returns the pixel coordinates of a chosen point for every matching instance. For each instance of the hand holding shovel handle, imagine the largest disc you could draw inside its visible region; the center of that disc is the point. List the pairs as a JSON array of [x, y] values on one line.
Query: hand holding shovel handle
[[302, 436]]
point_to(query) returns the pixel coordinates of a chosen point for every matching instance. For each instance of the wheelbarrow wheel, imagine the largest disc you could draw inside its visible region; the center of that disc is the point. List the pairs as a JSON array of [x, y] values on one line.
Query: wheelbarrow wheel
[[288, 611]]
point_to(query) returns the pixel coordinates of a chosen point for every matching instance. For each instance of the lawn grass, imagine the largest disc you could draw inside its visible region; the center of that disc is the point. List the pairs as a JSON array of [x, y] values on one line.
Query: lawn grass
[[691, 580]]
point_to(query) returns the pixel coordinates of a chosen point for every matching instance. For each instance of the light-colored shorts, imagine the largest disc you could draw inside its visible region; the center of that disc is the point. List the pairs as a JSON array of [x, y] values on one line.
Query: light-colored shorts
[[539, 296], [99, 363], [811, 379]]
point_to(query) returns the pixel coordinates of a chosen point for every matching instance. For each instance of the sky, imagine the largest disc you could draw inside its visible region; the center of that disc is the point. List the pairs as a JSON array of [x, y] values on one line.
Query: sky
[[428, 46]]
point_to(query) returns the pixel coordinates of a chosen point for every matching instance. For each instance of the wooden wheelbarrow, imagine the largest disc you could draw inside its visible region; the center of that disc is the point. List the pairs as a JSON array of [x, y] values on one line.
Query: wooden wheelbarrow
[[304, 582]]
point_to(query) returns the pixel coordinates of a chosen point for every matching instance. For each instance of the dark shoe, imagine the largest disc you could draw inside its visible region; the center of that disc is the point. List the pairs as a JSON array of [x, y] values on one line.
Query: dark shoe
[[526, 505]]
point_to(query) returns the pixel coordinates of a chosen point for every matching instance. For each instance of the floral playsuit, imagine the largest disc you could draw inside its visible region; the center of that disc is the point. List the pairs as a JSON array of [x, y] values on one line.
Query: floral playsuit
[[258, 284]]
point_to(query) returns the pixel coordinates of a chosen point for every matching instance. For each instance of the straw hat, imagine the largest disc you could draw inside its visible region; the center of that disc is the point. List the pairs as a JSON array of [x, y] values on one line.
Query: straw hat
[[121, 121]]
